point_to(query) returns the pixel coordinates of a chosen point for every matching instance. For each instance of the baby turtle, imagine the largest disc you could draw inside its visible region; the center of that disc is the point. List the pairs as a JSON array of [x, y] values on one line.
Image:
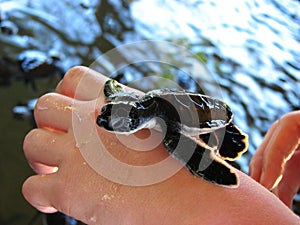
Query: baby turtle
[[198, 129]]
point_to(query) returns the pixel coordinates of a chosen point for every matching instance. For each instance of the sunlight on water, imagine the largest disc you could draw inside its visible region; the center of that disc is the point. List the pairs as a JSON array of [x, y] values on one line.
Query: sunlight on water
[[255, 35]]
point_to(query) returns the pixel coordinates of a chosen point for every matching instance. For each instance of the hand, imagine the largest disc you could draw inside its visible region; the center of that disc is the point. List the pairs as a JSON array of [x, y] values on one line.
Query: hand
[[276, 163], [66, 181], [69, 183]]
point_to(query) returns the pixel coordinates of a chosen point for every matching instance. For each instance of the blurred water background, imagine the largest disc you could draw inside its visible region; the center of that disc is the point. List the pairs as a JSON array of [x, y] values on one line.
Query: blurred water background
[[251, 47]]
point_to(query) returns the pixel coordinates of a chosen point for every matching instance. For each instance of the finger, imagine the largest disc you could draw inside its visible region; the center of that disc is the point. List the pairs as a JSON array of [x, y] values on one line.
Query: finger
[[280, 148], [37, 190], [54, 111], [256, 163], [290, 183], [81, 83], [84, 84], [42, 149]]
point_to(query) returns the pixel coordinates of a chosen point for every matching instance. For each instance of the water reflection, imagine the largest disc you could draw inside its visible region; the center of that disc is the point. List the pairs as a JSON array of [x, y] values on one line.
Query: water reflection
[[252, 47], [253, 50]]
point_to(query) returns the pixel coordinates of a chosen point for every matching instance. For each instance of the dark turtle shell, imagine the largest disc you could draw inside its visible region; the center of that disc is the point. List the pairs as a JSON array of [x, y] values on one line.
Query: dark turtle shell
[[196, 113], [199, 130]]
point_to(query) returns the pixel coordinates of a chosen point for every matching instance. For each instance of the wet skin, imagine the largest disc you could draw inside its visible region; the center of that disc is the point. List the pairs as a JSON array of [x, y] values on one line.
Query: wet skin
[[67, 183]]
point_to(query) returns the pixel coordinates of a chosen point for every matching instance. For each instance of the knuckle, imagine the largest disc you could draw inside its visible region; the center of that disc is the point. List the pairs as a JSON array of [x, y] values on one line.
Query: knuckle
[[29, 137], [74, 73], [41, 104], [43, 101], [29, 140], [72, 77], [47, 102]]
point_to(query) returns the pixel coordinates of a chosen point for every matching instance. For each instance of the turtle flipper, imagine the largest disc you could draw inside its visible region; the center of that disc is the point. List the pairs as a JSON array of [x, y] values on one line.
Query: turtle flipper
[[205, 164], [230, 141], [113, 91], [111, 87], [198, 160], [234, 144]]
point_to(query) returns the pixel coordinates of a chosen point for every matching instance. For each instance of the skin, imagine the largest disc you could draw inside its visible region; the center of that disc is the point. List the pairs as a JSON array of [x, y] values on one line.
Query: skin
[[276, 162], [66, 182]]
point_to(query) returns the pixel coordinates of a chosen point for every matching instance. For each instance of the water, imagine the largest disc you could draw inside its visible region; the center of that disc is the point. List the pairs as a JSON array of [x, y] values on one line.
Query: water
[[257, 42], [251, 47]]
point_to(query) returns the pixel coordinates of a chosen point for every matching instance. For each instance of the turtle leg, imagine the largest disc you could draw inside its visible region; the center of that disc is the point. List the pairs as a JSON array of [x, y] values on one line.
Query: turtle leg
[[234, 144], [231, 142], [198, 160], [113, 91], [111, 87], [213, 169]]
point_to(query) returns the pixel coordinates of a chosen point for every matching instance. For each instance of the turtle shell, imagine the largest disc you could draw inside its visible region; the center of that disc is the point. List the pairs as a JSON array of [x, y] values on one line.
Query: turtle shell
[[195, 112]]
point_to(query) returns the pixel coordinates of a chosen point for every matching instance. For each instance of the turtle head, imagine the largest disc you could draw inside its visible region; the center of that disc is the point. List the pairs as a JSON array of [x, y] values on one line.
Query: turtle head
[[118, 117]]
